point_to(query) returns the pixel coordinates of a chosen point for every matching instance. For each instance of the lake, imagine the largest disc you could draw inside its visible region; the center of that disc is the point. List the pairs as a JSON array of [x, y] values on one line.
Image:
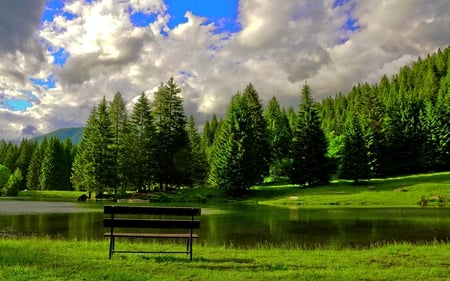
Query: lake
[[244, 226]]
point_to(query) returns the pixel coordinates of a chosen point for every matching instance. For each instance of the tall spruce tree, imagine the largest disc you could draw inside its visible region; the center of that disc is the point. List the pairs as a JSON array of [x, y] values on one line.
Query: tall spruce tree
[[259, 132], [355, 157], [119, 125], [94, 168], [237, 161], [140, 167], [199, 163], [173, 153], [309, 149], [280, 137]]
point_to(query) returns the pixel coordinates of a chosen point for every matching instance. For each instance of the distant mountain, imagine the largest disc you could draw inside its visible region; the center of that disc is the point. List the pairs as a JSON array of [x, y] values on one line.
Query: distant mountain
[[74, 134]]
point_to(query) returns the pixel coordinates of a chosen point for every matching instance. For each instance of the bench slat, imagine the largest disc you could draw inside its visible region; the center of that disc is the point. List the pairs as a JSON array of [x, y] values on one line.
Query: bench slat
[[151, 223], [151, 235], [151, 210]]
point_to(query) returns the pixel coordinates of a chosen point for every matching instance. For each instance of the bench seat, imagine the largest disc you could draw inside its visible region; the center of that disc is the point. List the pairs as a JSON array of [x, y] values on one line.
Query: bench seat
[[151, 235]]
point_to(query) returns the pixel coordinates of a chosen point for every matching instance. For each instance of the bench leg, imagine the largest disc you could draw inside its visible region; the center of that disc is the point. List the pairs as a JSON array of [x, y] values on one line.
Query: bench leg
[[111, 246], [190, 247]]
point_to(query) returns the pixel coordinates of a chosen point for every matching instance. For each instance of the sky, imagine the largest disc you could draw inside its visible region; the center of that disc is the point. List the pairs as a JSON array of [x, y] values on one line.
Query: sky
[[60, 58]]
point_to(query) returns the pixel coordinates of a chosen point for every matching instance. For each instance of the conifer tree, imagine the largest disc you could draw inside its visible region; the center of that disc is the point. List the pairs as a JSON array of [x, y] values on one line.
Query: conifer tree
[[237, 160], [199, 163], [140, 165], [119, 124], [34, 168], [173, 153], [355, 157], [280, 137], [309, 148]]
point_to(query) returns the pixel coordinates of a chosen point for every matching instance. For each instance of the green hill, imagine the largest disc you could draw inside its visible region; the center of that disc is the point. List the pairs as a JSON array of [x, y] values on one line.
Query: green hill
[[74, 134]]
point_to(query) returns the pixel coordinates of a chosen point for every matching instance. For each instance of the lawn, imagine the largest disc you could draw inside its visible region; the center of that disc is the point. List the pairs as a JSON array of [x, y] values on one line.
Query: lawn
[[45, 259], [409, 191]]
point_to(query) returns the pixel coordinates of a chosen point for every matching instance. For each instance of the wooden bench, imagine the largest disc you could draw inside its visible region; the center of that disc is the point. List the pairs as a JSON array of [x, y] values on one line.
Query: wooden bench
[[132, 222]]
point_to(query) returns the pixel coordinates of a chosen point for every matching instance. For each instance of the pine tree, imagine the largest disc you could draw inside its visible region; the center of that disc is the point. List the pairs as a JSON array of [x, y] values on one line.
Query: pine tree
[[260, 162], [34, 168], [237, 161], [140, 166], [105, 166], [309, 149], [53, 175], [94, 168], [280, 137], [229, 153], [199, 163], [173, 153], [119, 124], [355, 157], [26, 150]]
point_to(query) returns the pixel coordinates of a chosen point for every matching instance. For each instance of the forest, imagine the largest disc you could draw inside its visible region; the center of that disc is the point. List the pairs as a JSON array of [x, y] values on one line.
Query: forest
[[397, 126]]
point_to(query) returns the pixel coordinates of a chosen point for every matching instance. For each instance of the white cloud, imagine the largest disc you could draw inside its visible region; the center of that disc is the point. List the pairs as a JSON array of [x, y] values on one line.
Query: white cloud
[[281, 44]]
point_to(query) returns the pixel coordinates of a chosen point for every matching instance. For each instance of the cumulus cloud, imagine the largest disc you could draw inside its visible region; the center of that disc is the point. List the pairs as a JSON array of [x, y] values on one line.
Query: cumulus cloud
[[280, 45]]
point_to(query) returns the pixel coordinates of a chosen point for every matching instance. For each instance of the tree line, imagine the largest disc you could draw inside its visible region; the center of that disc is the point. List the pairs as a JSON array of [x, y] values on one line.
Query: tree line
[[397, 126]]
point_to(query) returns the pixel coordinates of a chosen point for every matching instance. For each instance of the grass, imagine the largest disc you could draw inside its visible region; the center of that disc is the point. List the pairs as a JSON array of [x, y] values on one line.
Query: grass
[[46, 259], [49, 195], [409, 191]]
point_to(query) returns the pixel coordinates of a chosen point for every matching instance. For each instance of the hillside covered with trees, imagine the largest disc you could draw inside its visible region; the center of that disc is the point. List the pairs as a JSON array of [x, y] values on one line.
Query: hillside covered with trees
[[400, 125]]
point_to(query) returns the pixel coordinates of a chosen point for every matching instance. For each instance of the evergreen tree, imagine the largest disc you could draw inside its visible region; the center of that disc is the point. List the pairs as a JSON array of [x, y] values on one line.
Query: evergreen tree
[[199, 163], [173, 153], [35, 165], [140, 166], [105, 166], [355, 157], [237, 161], [26, 150], [53, 175], [260, 136], [280, 137], [83, 176], [94, 168], [119, 124], [309, 149], [231, 151]]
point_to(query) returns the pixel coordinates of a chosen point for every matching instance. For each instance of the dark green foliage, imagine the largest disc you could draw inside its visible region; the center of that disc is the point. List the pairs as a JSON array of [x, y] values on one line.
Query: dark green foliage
[[119, 124], [26, 150], [139, 165], [280, 137], [355, 155], [12, 187], [4, 175], [35, 165], [94, 167], [309, 147], [55, 168], [199, 163], [173, 152], [238, 159]]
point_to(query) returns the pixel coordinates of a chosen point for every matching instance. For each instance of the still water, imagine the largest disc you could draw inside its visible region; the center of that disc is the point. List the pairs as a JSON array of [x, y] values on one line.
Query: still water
[[244, 225]]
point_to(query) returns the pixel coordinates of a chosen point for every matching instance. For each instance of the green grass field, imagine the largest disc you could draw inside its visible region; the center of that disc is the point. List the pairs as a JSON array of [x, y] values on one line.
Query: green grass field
[[409, 191], [45, 259]]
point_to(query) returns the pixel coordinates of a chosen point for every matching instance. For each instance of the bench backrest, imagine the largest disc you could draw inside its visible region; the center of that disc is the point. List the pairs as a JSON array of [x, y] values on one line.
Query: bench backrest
[[187, 212]]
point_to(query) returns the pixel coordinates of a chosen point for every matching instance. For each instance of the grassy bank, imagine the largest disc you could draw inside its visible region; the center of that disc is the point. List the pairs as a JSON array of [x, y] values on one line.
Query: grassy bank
[[409, 191], [45, 259], [49, 195]]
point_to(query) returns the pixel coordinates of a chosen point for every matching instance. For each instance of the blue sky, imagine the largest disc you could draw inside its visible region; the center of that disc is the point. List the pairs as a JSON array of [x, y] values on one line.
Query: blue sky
[[62, 57]]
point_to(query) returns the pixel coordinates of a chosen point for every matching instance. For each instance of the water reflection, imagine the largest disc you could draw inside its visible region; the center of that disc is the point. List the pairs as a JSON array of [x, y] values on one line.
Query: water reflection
[[252, 225]]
